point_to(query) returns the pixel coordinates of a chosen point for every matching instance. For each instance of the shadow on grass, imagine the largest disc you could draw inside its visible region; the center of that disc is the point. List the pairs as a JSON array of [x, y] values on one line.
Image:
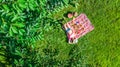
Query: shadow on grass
[[2, 60], [2, 64], [62, 27]]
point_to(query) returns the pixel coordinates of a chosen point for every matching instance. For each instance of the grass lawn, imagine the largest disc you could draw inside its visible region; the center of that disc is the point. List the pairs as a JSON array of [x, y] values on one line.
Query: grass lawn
[[99, 48]]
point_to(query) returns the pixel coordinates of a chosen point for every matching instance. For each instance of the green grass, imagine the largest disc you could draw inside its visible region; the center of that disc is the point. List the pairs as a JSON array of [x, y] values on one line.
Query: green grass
[[99, 48]]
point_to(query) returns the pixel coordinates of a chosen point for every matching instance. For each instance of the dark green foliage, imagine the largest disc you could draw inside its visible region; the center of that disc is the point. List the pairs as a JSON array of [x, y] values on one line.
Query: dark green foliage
[[22, 23]]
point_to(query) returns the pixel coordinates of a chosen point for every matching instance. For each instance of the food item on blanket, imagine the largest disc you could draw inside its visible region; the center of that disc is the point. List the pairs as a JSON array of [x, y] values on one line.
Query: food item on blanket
[[70, 15], [75, 14]]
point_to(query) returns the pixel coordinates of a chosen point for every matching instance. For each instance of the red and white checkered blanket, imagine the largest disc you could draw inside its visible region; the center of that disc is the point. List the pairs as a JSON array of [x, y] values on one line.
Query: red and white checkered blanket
[[78, 27]]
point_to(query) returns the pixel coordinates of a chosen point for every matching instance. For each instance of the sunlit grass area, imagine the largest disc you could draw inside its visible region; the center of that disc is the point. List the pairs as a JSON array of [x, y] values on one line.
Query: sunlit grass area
[[99, 48]]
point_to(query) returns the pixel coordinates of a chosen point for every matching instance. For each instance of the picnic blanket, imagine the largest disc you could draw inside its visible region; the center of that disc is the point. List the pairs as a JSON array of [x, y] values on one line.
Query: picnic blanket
[[77, 28]]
